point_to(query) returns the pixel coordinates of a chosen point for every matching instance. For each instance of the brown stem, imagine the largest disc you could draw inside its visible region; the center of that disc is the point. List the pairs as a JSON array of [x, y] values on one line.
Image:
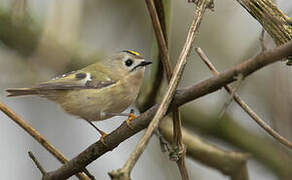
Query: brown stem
[[162, 44], [244, 106], [149, 97], [162, 109], [37, 163], [160, 32], [38, 137], [273, 20], [228, 163]]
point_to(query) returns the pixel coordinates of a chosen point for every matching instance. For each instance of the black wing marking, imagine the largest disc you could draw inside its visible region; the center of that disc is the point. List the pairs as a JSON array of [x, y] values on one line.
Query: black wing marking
[[75, 80]]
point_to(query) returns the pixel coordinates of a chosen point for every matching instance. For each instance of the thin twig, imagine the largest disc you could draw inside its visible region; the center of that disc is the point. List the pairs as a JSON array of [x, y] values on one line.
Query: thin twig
[[262, 40], [229, 101], [162, 45], [163, 49], [162, 11], [177, 125], [150, 94], [164, 146], [37, 163], [244, 106], [37, 136], [128, 166], [178, 144], [181, 97], [227, 162]]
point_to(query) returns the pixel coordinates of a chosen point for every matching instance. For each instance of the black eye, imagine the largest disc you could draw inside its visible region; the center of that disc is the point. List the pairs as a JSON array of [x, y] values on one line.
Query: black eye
[[129, 62]]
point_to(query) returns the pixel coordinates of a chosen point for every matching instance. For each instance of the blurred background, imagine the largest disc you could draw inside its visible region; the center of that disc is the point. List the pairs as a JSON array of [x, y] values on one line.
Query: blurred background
[[42, 39]]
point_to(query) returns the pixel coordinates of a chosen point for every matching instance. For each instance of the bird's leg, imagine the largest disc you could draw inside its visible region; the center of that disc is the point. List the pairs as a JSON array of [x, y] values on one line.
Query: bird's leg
[[103, 134], [131, 117], [103, 114]]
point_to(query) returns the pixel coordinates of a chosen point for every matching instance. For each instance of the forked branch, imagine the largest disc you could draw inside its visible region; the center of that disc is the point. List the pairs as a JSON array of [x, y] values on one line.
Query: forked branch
[[243, 105]]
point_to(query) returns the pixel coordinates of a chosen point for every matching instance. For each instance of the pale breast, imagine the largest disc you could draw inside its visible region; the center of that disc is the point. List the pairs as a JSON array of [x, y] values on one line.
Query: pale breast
[[90, 103]]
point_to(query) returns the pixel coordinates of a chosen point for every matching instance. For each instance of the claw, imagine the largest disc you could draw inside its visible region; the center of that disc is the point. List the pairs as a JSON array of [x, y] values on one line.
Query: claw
[[131, 117], [103, 135]]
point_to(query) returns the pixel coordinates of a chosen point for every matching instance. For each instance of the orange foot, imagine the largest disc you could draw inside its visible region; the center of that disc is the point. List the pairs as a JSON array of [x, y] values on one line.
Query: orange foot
[[131, 117], [103, 135]]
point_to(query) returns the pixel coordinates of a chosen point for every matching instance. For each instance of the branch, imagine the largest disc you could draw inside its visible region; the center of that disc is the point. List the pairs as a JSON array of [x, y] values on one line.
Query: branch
[[246, 68], [148, 96], [273, 20], [227, 129], [181, 97], [37, 136], [37, 163], [244, 106], [261, 39], [162, 44], [162, 109], [228, 163]]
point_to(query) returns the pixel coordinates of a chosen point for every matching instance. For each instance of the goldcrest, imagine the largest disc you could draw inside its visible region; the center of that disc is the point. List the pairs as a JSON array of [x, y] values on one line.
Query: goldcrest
[[98, 91]]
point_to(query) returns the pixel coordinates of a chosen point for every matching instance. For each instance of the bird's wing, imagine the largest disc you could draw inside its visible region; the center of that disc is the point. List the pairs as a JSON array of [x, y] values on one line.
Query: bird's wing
[[78, 80], [81, 79]]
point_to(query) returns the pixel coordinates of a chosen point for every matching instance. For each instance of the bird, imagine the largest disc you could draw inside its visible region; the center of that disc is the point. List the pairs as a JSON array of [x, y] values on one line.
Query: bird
[[96, 92]]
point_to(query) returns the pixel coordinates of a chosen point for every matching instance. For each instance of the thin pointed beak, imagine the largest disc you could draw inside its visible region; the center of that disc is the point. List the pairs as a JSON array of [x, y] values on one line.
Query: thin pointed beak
[[145, 63], [142, 64]]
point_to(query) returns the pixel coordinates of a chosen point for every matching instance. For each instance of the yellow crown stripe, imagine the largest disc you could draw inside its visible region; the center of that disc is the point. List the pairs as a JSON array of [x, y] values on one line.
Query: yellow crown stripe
[[133, 52]]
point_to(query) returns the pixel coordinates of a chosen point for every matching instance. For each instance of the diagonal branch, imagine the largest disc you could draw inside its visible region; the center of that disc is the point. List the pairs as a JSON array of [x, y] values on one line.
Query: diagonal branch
[[37, 163], [177, 74], [243, 105], [273, 20], [246, 68], [181, 97], [163, 49], [37, 136]]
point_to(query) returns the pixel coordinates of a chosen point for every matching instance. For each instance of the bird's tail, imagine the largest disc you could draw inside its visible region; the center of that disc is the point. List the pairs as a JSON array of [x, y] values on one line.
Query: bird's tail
[[22, 92]]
